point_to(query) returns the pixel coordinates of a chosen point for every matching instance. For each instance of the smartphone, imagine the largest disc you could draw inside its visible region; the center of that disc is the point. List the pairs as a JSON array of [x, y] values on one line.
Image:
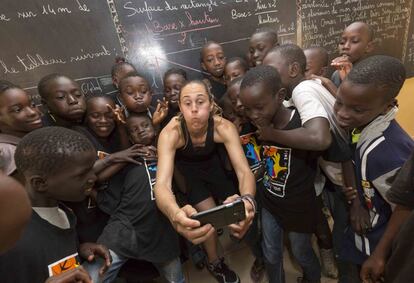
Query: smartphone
[[222, 215]]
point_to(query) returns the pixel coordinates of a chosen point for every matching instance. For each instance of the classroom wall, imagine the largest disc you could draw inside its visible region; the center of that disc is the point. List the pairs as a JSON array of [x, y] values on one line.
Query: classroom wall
[[406, 103]]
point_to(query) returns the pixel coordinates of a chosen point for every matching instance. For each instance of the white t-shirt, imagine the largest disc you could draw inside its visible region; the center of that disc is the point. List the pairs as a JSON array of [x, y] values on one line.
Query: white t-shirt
[[306, 97]]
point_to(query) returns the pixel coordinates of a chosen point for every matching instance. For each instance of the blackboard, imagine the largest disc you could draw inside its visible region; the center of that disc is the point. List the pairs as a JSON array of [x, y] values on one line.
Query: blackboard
[[163, 34], [323, 21], [81, 38], [75, 37]]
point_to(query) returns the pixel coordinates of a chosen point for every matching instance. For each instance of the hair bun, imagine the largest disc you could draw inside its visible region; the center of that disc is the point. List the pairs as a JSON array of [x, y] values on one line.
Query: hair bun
[[119, 59]]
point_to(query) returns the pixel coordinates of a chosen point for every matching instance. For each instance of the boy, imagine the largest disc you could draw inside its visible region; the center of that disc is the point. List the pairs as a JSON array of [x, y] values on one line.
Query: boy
[[56, 164], [366, 104], [262, 40], [316, 61], [213, 60], [319, 125], [235, 67], [288, 196], [137, 229], [357, 42]]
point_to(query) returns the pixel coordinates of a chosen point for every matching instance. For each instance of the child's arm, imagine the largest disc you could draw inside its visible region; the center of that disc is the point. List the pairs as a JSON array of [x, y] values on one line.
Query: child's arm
[[78, 274], [359, 215], [327, 83], [314, 135], [374, 266]]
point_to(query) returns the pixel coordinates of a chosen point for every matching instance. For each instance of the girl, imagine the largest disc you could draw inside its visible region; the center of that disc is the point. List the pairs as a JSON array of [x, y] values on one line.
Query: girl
[[63, 99], [192, 139], [18, 116]]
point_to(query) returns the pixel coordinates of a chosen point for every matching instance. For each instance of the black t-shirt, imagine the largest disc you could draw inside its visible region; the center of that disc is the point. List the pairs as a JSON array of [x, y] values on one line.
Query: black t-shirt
[[137, 229], [42, 251], [287, 189]]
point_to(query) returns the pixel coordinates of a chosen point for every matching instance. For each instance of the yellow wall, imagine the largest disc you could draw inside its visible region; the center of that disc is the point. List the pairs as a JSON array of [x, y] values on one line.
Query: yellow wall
[[405, 114]]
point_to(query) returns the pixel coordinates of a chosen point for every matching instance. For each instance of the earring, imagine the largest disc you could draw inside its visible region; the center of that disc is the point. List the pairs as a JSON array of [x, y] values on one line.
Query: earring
[[51, 116]]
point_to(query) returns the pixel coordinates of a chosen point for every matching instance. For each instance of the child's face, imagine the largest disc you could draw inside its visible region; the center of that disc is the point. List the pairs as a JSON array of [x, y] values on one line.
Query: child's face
[[260, 44], [196, 106], [234, 96], [357, 105], [121, 73], [65, 100], [228, 111], [18, 113], [99, 117], [213, 60], [172, 86], [260, 104], [355, 42], [276, 60], [233, 70], [141, 130], [74, 181], [314, 64], [136, 94]]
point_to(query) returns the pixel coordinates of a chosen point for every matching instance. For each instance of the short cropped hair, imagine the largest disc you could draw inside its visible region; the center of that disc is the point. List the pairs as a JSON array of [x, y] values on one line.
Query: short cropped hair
[[322, 53], [175, 71], [47, 150], [119, 63], [271, 33], [6, 85], [292, 53], [381, 71], [205, 46], [131, 75], [262, 74], [242, 62], [235, 81]]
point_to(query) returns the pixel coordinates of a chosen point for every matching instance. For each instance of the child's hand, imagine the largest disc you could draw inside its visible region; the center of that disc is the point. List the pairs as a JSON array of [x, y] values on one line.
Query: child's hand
[[350, 193], [128, 154], [160, 112], [238, 230], [78, 275], [190, 228], [360, 218], [343, 65], [372, 269], [265, 133], [118, 113], [88, 251]]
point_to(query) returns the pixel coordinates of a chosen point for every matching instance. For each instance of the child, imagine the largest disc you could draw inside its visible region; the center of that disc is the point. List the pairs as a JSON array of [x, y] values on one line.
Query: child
[[57, 165], [63, 99], [251, 149], [135, 94], [13, 201], [137, 229], [174, 79], [118, 71], [316, 62], [262, 40], [357, 42], [399, 264], [100, 129], [365, 104], [320, 129], [288, 194], [234, 68], [213, 60], [18, 116]]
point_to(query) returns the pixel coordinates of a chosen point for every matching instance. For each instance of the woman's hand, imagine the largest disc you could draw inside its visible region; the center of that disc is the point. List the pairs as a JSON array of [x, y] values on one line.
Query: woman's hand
[[190, 228], [238, 230]]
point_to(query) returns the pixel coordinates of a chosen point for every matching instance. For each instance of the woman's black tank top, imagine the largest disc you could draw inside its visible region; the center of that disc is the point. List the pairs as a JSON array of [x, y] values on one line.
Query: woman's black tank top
[[191, 153]]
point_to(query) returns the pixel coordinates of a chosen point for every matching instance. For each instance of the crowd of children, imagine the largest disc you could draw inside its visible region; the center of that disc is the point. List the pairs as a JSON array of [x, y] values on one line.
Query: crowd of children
[[113, 179]]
